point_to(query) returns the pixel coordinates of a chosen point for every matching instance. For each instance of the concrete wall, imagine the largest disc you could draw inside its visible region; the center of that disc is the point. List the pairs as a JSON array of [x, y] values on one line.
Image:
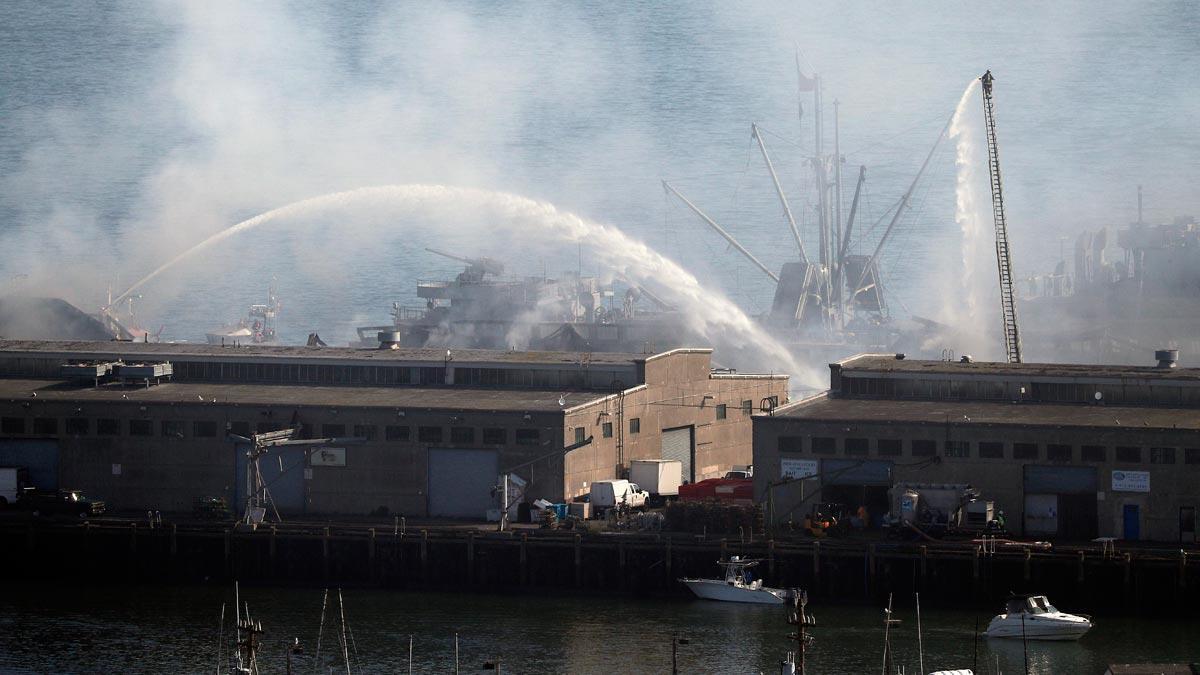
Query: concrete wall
[[1001, 479], [679, 392]]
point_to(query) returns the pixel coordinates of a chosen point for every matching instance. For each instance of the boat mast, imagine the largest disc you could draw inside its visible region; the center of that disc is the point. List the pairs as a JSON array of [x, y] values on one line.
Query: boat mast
[[787, 210], [836, 274], [822, 198], [721, 231]]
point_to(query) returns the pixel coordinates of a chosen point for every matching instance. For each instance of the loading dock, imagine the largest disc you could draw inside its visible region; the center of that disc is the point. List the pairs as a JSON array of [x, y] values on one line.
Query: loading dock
[[461, 482], [680, 444], [1061, 501]]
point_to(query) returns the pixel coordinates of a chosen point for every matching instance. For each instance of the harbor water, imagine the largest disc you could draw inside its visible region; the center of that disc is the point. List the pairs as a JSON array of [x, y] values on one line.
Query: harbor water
[[175, 629]]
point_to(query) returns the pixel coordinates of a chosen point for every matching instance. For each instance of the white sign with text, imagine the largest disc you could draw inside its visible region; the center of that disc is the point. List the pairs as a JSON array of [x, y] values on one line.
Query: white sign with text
[[797, 468], [1131, 481]]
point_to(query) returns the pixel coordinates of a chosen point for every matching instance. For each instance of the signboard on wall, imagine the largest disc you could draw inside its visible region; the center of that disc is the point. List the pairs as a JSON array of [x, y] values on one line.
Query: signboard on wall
[[328, 457], [797, 468], [1131, 481]]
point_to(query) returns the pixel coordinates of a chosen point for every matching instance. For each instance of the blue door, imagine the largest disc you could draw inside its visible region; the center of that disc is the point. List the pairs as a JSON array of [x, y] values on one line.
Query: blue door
[[1132, 526]]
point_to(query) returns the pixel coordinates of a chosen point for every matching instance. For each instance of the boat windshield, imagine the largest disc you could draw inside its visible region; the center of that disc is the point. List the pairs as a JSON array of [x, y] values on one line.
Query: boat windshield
[[1039, 605]]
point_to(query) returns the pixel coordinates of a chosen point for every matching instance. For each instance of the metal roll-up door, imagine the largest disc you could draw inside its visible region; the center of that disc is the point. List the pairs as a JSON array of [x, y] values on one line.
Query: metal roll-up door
[[677, 444], [1061, 480], [461, 482], [282, 472], [856, 472], [39, 456]]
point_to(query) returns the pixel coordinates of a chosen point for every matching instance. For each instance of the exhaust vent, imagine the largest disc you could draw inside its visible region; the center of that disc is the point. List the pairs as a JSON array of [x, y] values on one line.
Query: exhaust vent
[[1167, 358]]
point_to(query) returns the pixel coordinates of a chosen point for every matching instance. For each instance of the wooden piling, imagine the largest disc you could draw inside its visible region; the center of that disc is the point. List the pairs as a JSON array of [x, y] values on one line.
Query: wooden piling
[[471, 559], [621, 559], [924, 566], [869, 561], [174, 538], [524, 559], [271, 549], [771, 560], [325, 554], [371, 554], [1079, 578], [816, 563], [579, 559], [425, 556], [1028, 568]]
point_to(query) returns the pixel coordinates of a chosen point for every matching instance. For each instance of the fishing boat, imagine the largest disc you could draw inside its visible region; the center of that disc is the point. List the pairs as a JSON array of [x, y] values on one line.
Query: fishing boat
[[739, 585], [1032, 617]]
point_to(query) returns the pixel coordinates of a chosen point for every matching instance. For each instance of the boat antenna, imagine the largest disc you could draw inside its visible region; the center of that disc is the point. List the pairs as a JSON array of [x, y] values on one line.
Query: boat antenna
[[887, 630], [920, 642], [345, 647], [220, 637], [321, 627]]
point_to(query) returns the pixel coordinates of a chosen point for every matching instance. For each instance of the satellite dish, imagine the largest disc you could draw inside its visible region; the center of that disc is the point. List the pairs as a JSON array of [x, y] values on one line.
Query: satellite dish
[[562, 399]]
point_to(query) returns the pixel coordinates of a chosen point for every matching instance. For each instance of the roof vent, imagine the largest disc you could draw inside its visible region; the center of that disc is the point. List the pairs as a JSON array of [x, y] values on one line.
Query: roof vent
[[900, 356], [1167, 358], [966, 358]]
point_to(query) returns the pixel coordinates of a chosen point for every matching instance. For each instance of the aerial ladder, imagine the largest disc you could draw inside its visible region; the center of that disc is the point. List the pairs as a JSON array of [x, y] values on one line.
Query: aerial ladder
[[1008, 305]]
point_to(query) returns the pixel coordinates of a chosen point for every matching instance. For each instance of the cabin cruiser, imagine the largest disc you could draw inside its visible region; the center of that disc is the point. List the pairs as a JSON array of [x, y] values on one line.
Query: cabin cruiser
[[739, 585], [1034, 618]]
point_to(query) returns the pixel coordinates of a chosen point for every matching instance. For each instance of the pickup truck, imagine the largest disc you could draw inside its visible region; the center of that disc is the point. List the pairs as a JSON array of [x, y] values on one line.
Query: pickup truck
[[63, 502], [607, 494]]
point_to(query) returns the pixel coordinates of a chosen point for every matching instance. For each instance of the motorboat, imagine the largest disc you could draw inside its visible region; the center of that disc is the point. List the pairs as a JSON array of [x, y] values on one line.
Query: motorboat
[[1033, 617], [739, 585]]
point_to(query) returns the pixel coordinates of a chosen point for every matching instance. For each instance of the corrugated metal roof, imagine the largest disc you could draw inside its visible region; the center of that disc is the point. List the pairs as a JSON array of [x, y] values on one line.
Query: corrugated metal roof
[[888, 363], [958, 413], [436, 398]]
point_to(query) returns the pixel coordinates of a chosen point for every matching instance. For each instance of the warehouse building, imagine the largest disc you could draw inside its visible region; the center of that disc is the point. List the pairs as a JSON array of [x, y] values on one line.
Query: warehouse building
[[1066, 451], [146, 426]]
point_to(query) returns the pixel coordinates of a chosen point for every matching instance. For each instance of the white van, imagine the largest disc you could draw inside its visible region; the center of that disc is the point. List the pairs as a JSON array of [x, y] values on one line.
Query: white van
[[606, 494], [13, 479]]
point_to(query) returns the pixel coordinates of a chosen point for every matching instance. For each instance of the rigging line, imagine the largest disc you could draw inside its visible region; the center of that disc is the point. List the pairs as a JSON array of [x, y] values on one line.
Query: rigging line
[[907, 130], [796, 144]]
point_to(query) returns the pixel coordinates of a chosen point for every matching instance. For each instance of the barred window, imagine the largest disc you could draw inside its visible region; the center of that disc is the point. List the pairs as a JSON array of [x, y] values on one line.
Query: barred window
[[495, 436], [635, 425], [429, 434], [1162, 455], [172, 428], [857, 446], [824, 445], [462, 434], [1093, 453], [791, 444], [606, 430], [958, 449], [1129, 454], [1025, 451], [924, 448], [204, 428], [1058, 453], [528, 437], [108, 427], [45, 426], [396, 433], [721, 411], [78, 426], [366, 431], [140, 428], [991, 450], [889, 447]]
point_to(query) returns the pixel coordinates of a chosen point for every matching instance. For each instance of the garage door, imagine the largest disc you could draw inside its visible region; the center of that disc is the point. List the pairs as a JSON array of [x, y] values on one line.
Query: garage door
[[461, 482], [39, 456], [282, 472], [856, 472], [677, 444]]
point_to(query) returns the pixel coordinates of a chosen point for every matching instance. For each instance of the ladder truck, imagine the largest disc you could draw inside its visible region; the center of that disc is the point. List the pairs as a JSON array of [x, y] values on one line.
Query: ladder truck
[[1008, 306]]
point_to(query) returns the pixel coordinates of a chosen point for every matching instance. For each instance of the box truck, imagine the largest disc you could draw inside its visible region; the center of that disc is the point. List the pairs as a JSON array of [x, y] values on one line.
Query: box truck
[[13, 479], [659, 477]]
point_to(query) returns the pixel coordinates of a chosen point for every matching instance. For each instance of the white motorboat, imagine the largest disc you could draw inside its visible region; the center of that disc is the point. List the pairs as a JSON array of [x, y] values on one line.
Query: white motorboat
[[739, 585], [1034, 618]]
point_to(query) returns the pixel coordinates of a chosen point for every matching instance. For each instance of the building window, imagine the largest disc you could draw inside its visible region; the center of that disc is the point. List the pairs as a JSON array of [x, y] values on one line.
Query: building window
[[236, 428], [1191, 456], [1056, 452], [333, 430], [1025, 451], [579, 434], [12, 425], [747, 407], [140, 428], [958, 449], [1162, 455], [396, 433], [635, 425], [45, 426], [204, 429], [823, 446], [923, 448], [722, 411], [77, 426], [1093, 453], [889, 447], [991, 450], [366, 431], [606, 430], [1129, 454], [495, 436], [429, 434], [791, 444], [462, 434], [528, 437], [108, 427], [172, 428], [857, 446], [267, 427]]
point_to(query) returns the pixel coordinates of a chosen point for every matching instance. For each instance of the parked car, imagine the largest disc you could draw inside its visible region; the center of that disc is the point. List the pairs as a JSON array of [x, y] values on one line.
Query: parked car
[[63, 502]]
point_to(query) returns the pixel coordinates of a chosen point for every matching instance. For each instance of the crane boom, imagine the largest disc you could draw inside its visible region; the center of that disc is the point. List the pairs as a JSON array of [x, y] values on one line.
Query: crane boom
[[787, 210], [1008, 305], [721, 231]]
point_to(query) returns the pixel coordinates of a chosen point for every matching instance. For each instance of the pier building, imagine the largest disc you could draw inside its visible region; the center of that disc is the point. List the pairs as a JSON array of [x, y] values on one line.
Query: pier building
[[1071, 452], [147, 425]]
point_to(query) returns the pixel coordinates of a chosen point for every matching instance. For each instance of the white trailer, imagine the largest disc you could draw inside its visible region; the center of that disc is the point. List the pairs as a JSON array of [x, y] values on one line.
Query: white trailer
[[13, 479], [659, 477]]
